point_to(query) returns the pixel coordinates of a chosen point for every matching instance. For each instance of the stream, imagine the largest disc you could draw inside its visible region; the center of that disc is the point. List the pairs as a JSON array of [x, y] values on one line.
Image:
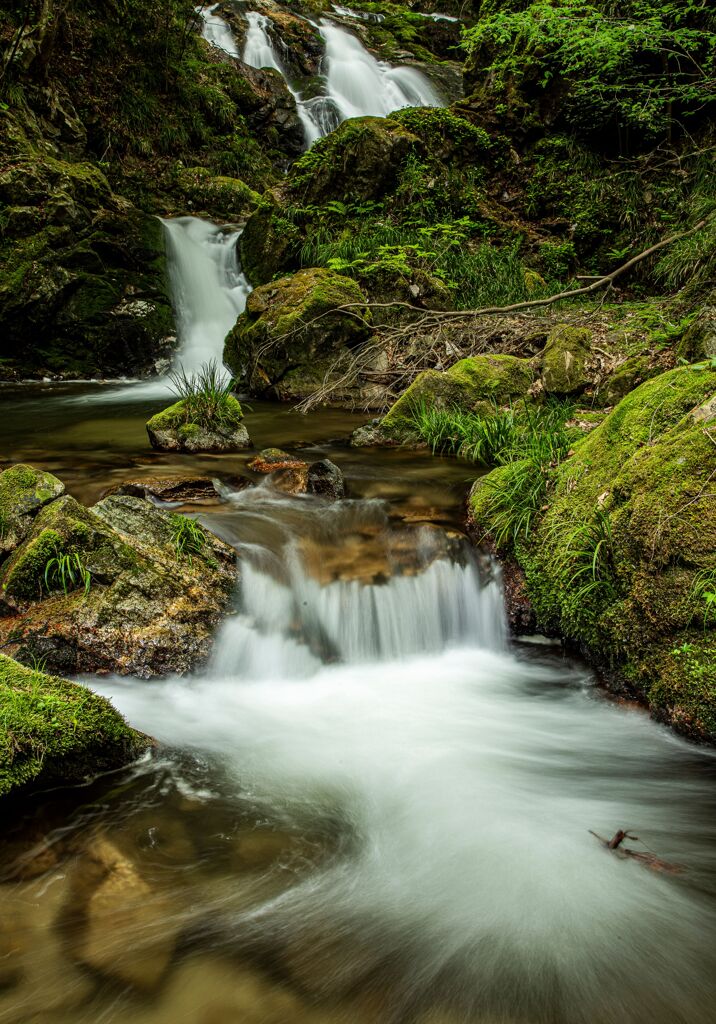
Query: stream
[[372, 806]]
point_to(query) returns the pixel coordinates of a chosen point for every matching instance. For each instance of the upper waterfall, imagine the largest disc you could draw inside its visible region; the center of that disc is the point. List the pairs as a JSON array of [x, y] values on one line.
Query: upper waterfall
[[355, 84]]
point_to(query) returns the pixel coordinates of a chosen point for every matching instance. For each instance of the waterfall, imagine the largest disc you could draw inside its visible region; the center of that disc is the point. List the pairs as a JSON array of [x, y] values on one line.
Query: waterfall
[[208, 289], [216, 31], [359, 85], [259, 53]]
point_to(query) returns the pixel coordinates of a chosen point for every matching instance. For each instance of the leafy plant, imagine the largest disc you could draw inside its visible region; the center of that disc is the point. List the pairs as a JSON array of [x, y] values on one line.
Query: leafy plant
[[704, 590], [207, 395], [587, 551], [188, 537], [66, 571]]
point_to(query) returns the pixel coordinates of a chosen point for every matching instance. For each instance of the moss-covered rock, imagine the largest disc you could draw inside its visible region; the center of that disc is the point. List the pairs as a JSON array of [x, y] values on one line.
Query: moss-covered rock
[[478, 383], [123, 586], [625, 553], [55, 731], [292, 333], [628, 375], [23, 492], [173, 429], [564, 363], [218, 196]]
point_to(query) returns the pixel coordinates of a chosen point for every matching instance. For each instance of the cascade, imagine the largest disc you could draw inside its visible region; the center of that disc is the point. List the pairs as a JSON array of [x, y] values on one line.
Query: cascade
[[216, 31], [208, 289], [360, 85], [259, 53]]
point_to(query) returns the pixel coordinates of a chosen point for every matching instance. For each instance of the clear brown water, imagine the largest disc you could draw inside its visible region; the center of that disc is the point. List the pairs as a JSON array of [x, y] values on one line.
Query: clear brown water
[[397, 836]]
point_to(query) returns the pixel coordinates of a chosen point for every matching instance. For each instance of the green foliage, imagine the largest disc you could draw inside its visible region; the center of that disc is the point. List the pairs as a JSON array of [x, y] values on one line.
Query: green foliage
[[207, 395], [188, 537], [586, 551], [66, 570], [537, 433], [704, 591], [635, 64]]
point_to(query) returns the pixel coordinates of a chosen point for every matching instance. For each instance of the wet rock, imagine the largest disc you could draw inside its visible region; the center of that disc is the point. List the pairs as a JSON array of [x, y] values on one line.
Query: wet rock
[[326, 480], [565, 358], [173, 430], [146, 592], [218, 196], [293, 332], [130, 930], [179, 489], [271, 459], [23, 492], [291, 479]]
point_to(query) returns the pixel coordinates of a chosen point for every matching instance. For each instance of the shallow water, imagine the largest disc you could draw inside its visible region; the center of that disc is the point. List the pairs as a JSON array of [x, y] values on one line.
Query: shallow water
[[371, 807]]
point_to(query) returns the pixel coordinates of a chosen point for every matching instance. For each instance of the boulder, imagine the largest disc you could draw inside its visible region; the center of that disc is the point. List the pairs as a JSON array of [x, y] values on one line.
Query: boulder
[[476, 384], [291, 336], [565, 359], [624, 557], [23, 492], [172, 429], [217, 196], [52, 730], [122, 587], [326, 480]]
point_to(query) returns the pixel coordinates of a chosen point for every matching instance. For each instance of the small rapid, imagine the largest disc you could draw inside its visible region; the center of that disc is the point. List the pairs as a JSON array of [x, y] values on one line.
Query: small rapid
[[366, 680]]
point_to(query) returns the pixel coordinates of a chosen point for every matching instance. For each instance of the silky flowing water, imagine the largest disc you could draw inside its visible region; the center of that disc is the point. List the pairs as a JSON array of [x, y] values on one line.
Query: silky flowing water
[[372, 805]]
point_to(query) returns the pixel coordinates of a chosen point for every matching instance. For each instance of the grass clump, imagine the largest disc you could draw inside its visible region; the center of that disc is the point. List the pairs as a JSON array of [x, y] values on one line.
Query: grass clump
[[188, 537], [206, 396], [66, 571]]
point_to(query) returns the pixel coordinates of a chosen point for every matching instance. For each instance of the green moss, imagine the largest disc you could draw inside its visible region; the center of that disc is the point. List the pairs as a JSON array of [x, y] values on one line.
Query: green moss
[[291, 323], [51, 729], [175, 417], [476, 383], [564, 362], [25, 578], [629, 526]]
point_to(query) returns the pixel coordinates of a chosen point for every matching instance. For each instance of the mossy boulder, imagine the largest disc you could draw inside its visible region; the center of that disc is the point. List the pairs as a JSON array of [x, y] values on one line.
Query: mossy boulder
[[23, 492], [565, 359], [76, 261], [173, 429], [55, 731], [627, 376], [477, 384], [626, 549], [122, 587], [293, 335], [216, 195]]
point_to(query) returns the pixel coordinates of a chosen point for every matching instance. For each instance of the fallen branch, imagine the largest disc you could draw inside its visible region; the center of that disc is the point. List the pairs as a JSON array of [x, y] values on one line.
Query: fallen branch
[[649, 860]]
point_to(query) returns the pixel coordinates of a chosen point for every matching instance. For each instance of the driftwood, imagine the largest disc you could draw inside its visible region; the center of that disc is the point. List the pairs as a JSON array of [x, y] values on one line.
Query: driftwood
[[649, 859]]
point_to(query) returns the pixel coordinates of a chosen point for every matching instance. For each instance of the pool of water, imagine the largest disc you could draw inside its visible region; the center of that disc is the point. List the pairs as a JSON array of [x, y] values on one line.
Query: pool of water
[[372, 806]]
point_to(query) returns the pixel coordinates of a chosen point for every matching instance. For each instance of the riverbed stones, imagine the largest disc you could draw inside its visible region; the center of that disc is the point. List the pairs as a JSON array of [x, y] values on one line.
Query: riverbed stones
[[123, 587], [270, 459], [130, 929], [174, 430], [326, 480]]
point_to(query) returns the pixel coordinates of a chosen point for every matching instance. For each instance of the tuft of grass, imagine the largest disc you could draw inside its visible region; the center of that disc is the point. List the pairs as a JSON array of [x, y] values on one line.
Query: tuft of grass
[[508, 435], [207, 395], [587, 553], [704, 590], [188, 537], [66, 571]]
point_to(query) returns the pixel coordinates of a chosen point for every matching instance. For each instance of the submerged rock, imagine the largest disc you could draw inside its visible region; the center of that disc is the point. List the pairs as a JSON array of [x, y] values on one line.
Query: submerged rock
[[326, 480], [293, 333], [52, 730], [172, 430], [122, 587], [624, 558]]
